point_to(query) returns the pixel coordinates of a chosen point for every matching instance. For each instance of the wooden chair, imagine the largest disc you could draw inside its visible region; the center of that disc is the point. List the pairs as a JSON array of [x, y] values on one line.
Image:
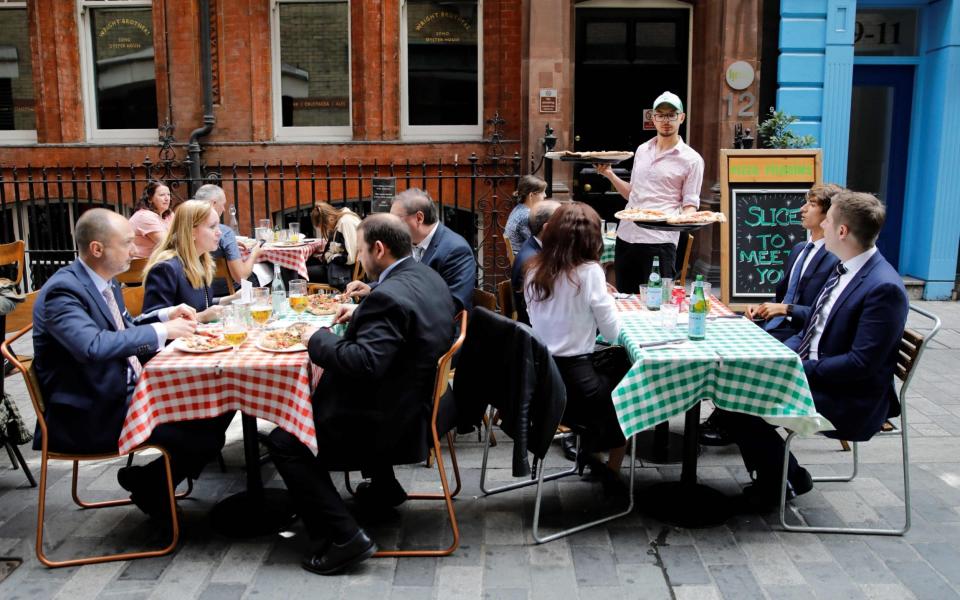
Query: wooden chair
[[223, 270], [14, 253], [134, 275], [33, 387], [485, 299], [505, 299], [686, 250], [133, 300], [440, 386], [910, 350], [509, 247], [21, 316]]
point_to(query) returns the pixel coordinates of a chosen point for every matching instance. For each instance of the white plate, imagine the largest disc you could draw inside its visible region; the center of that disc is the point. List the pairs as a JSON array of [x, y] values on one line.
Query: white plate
[[179, 345], [295, 348]]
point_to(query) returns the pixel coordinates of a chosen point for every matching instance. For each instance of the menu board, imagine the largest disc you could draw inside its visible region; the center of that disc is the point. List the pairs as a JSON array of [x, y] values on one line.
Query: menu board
[[761, 192], [384, 189], [765, 227]]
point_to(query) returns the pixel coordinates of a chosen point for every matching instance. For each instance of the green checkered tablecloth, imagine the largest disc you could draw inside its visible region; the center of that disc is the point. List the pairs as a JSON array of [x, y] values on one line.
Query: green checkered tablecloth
[[738, 366], [609, 249]]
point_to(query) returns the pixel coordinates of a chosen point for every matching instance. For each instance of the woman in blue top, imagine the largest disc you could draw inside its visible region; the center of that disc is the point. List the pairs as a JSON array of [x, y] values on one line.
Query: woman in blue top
[[530, 191], [180, 270]]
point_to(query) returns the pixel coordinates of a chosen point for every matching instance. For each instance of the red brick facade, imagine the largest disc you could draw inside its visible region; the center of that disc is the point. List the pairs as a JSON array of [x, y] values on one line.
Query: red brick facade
[[243, 109]]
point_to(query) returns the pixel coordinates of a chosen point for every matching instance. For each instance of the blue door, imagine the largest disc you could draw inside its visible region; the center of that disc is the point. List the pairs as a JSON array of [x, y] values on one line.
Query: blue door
[[879, 137]]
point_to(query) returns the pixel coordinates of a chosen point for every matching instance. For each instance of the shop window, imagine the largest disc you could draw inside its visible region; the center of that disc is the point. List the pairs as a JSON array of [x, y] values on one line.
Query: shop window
[[18, 120], [311, 70], [120, 78], [441, 74], [885, 32]]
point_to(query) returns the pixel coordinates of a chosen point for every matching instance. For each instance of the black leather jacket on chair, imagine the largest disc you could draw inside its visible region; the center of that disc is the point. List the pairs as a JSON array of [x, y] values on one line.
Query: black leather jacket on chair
[[502, 364]]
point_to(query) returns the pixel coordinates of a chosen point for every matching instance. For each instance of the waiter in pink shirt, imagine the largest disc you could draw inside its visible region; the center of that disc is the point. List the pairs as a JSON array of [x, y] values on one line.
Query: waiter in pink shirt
[[666, 176]]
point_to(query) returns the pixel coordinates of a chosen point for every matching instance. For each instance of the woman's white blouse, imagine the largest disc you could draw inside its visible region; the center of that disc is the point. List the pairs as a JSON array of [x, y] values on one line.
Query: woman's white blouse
[[568, 321]]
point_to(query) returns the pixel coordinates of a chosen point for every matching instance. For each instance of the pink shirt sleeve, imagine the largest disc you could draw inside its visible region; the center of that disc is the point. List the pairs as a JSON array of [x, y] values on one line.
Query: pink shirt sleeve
[[691, 185], [146, 222]]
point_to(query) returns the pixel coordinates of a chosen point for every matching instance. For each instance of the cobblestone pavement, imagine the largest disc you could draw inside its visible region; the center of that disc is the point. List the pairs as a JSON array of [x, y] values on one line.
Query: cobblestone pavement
[[633, 557]]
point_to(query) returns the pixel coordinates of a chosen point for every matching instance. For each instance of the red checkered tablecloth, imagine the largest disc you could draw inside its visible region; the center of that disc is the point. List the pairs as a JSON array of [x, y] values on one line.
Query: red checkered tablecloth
[[177, 386], [289, 257], [632, 303]]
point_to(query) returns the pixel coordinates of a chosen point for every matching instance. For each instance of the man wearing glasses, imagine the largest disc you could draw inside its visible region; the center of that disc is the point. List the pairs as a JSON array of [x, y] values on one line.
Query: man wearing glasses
[[666, 176]]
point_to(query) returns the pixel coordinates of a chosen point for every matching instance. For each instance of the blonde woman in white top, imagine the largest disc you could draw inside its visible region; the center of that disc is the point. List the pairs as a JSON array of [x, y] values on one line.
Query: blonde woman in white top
[[568, 303]]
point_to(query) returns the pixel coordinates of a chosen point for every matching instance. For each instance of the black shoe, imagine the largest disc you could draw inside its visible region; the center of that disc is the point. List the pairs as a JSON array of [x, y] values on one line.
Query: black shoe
[[377, 494], [613, 484], [712, 434], [568, 444], [147, 493], [764, 497], [337, 557]]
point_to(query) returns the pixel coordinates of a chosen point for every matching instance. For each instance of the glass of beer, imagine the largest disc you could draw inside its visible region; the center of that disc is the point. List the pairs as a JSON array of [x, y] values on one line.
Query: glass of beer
[[294, 235], [298, 295], [234, 326], [261, 308]]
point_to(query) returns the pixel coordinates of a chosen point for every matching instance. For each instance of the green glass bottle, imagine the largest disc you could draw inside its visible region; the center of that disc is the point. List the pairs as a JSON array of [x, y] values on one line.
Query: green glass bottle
[[654, 293]]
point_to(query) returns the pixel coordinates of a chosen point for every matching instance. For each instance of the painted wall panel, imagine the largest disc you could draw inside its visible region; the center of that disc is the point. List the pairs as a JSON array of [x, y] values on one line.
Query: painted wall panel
[[803, 103], [800, 69], [800, 34], [807, 8]]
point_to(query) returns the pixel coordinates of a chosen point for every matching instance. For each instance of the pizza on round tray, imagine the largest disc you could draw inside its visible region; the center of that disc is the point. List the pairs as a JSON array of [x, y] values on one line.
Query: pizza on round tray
[[703, 216], [642, 214], [322, 305]]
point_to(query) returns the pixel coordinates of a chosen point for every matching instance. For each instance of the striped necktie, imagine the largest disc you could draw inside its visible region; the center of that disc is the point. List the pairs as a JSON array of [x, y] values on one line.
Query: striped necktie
[[791, 296], [804, 349], [118, 321]]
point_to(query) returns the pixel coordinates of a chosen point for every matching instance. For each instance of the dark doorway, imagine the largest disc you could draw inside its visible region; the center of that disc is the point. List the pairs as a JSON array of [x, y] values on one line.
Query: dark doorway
[[624, 59], [879, 135]]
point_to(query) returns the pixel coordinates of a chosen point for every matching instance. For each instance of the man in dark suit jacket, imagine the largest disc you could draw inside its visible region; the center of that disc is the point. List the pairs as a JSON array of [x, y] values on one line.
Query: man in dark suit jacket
[[848, 346], [538, 220], [88, 355], [437, 246], [374, 400], [807, 269]]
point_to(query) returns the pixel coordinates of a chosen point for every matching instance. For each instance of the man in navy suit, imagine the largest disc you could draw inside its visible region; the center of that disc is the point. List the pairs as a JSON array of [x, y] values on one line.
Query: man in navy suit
[[808, 267], [89, 353], [437, 246], [538, 221], [848, 345]]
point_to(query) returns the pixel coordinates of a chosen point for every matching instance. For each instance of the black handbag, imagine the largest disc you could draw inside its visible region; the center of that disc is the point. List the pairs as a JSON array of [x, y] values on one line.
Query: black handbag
[[611, 361]]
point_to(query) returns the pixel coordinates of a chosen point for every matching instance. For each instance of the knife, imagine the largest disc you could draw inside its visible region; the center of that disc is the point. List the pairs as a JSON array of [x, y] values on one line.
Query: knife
[[661, 343]]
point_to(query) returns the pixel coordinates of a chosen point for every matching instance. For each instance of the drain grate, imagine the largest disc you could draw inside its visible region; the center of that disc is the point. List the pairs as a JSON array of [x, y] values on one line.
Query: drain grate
[[7, 566]]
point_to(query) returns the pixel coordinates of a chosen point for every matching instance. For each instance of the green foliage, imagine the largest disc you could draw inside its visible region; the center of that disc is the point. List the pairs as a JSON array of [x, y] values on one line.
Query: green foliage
[[776, 133]]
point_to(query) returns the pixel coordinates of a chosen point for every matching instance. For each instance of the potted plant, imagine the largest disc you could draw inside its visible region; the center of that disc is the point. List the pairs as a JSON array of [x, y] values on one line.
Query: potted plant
[[775, 132]]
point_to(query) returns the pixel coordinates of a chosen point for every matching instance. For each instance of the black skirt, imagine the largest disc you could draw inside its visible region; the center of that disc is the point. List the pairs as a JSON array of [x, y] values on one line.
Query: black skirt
[[589, 410]]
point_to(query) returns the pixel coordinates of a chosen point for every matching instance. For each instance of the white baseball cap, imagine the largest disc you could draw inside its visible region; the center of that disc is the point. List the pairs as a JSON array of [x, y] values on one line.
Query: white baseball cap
[[669, 98]]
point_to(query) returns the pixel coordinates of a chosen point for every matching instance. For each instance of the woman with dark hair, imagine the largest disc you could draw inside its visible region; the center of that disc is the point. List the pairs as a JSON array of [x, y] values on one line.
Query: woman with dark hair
[[152, 219], [530, 191], [568, 302]]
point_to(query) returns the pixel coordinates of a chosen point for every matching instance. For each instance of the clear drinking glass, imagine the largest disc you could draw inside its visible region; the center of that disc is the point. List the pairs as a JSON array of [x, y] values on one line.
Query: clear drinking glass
[[666, 288], [669, 314], [294, 232], [234, 326], [298, 295], [262, 306]]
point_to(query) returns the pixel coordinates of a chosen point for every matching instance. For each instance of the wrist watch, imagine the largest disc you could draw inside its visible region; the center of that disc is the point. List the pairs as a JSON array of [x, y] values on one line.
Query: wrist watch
[[789, 310]]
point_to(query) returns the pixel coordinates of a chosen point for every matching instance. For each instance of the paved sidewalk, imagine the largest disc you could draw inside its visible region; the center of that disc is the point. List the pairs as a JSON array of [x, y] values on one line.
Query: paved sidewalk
[[635, 557]]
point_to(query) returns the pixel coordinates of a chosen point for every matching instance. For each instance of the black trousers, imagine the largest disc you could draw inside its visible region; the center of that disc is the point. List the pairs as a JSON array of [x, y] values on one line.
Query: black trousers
[[760, 446], [589, 405], [315, 497], [635, 261]]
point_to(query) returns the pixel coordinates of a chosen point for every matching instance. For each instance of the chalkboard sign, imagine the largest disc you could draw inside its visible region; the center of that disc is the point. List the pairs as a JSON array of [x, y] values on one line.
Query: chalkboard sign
[[384, 189], [765, 227]]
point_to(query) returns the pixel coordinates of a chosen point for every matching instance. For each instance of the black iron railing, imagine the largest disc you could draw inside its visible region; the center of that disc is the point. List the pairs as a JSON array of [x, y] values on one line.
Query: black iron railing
[[41, 205]]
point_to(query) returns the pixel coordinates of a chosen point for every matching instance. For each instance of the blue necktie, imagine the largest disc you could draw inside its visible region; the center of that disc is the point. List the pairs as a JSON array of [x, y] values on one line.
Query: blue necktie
[[804, 349], [791, 295]]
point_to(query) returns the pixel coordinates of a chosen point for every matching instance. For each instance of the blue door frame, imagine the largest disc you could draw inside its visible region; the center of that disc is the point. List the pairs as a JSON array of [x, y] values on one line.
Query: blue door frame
[[900, 78]]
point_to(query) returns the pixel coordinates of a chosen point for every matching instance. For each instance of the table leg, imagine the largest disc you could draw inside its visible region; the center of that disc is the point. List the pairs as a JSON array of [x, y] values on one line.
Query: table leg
[[660, 446], [687, 503], [258, 510]]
